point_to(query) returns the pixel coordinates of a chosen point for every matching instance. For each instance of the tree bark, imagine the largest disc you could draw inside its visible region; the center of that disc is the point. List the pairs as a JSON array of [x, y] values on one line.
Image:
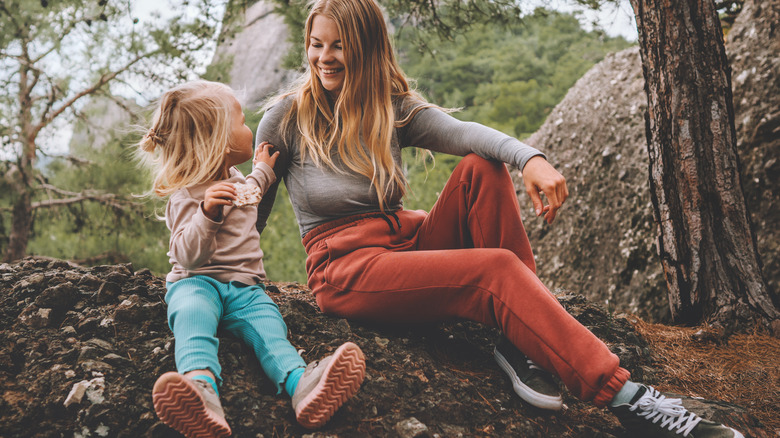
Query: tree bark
[[21, 223], [705, 241], [21, 219]]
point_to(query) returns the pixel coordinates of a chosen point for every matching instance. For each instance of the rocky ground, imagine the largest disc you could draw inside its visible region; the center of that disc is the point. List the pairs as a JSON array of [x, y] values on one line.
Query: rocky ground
[[80, 349]]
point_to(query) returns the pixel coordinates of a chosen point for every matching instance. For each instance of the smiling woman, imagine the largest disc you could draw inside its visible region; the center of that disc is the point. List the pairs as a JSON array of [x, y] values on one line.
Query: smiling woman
[[326, 55], [340, 135]]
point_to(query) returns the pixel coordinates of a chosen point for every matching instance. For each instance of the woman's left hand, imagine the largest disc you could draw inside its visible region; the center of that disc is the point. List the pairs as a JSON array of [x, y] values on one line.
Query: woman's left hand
[[539, 176]]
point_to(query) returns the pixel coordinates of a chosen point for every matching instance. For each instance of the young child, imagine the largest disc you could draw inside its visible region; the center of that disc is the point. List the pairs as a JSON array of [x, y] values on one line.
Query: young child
[[197, 137]]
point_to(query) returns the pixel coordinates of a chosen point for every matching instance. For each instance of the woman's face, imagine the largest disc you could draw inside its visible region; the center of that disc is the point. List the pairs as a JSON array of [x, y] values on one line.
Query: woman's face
[[326, 56]]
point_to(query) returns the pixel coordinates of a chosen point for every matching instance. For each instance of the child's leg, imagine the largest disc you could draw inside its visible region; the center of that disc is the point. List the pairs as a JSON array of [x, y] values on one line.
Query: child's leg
[[252, 316], [194, 312], [324, 386], [327, 384], [189, 402], [190, 406]]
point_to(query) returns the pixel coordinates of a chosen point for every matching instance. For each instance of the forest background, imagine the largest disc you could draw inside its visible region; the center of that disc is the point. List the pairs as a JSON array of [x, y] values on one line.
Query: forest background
[[507, 77]]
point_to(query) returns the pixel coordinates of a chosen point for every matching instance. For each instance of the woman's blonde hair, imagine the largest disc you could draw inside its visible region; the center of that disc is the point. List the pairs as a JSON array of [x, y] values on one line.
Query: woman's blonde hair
[[363, 113], [190, 136]]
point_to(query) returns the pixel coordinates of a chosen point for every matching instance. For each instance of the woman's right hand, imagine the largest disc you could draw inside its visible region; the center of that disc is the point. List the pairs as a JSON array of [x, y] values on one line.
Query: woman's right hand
[[216, 197], [540, 177]]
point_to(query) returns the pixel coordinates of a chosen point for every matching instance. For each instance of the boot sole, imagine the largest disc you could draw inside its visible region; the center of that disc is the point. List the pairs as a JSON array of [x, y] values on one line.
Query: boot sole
[[179, 404], [340, 381], [525, 392]]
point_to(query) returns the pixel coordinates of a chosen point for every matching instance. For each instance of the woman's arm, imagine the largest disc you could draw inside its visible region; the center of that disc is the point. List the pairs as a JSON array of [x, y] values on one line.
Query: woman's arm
[[436, 130], [269, 130], [433, 129]]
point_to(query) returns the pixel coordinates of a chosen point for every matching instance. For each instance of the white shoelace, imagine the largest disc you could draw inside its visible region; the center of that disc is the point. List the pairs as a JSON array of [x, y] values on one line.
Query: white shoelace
[[532, 365], [669, 411]]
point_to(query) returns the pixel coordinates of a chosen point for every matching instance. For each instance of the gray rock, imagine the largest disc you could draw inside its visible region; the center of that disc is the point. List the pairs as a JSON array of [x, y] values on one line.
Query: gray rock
[[411, 428]]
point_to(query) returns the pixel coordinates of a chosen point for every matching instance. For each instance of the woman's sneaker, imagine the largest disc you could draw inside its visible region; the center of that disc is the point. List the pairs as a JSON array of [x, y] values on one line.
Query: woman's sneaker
[[651, 414], [325, 385], [530, 382], [190, 406]]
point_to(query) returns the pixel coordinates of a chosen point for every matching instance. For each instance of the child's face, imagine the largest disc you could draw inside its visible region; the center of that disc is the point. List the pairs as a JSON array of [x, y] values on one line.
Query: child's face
[[240, 137]]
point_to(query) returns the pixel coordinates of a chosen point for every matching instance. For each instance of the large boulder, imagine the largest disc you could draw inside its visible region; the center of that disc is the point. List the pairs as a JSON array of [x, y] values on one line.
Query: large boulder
[[603, 241], [249, 58]]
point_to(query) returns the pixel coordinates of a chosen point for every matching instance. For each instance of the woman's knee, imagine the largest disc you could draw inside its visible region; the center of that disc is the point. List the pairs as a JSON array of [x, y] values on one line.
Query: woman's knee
[[507, 271], [481, 172], [479, 164]]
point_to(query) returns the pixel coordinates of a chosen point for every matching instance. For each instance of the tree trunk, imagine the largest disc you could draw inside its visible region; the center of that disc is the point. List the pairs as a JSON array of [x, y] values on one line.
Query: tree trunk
[[707, 247], [21, 219], [21, 223]]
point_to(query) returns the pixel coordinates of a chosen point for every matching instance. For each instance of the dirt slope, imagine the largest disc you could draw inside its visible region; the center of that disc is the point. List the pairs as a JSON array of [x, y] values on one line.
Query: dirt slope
[[105, 326]]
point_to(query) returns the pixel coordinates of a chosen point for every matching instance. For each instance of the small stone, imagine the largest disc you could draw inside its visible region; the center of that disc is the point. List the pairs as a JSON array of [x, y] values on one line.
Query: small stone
[[95, 390], [411, 428], [87, 325], [35, 317], [76, 393], [90, 282], [107, 292], [62, 296]]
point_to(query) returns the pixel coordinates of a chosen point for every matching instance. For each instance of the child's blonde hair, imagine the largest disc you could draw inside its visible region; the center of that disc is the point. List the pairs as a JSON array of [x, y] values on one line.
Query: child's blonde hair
[[190, 136]]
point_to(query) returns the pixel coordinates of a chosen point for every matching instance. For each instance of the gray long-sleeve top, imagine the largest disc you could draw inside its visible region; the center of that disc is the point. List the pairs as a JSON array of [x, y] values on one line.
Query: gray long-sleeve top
[[321, 194]]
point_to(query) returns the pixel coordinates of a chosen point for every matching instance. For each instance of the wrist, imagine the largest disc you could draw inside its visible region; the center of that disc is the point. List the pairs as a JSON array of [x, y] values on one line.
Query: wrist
[[214, 214]]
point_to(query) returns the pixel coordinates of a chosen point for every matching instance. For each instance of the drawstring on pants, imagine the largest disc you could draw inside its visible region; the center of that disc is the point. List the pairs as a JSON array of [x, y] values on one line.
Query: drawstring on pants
[[386, 218]]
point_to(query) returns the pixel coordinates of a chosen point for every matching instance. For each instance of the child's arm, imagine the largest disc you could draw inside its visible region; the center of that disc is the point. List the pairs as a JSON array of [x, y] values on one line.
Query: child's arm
[[263, 174], [218, 196], [194, 225]]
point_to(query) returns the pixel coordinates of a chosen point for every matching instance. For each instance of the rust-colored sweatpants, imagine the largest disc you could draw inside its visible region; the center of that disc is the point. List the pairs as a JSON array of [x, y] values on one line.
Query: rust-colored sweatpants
[[469, 258]]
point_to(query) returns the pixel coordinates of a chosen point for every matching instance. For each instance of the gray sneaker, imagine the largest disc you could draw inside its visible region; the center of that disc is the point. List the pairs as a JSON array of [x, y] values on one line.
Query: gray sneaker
[[189, 406], [325, 385], [533, 384], [651, 414]]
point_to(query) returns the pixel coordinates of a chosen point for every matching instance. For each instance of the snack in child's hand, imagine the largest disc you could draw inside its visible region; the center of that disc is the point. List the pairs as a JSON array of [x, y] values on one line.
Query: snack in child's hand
[[246, 194]]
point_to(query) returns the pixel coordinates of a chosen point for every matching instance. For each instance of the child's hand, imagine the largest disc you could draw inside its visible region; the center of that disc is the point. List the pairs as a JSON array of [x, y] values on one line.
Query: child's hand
[[263, 154], [216, 197]]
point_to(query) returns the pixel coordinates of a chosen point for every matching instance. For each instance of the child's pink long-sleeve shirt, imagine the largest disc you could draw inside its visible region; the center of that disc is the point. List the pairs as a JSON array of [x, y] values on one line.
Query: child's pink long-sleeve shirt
[[228, 250]]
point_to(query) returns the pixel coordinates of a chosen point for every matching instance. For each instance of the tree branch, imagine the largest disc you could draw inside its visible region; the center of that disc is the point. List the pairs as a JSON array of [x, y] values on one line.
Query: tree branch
[[104, 79], [11, 16], [108, 199]]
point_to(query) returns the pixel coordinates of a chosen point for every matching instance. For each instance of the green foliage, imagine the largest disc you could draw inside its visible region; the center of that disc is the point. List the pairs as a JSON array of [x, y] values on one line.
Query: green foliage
[[102, 160], [507, 78], [285, 257], [294, 13]]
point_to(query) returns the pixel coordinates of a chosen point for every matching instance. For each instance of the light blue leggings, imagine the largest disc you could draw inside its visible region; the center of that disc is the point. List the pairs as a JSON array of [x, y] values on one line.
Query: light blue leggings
[[197, 305]]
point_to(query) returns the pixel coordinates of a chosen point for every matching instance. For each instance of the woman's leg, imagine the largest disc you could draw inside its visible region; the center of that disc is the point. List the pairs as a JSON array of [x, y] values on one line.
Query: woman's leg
[[369, 270], [252, 316], [477, 208]]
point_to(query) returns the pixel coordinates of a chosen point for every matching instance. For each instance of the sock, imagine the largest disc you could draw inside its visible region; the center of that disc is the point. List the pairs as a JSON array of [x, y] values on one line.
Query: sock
[[292, 380], [207, 379], [625, 394]]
